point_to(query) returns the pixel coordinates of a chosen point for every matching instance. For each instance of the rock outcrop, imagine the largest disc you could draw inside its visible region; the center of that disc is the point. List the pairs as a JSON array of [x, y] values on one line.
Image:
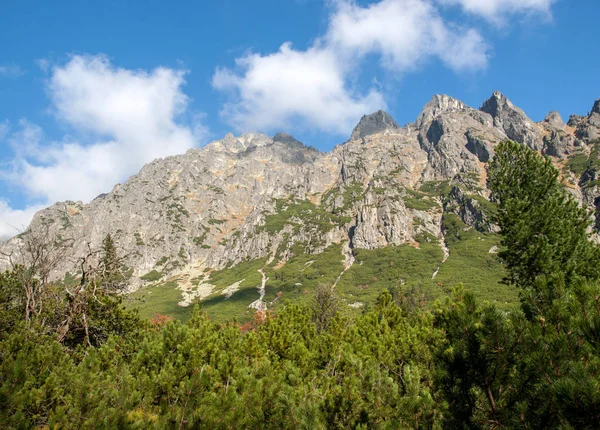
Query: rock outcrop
[[512, 121], [554, 120], [378, 122]]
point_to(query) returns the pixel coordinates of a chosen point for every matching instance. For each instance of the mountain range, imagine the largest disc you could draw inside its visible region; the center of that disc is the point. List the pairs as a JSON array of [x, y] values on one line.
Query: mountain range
[[247, 222]]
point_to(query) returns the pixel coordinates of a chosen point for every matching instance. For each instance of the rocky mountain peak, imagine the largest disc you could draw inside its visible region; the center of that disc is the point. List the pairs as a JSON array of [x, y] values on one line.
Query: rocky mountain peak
[[496, 104], [250, 197], [575, 120], [596, 108], [439, 104], [512, 120], [239, 144], [296, 152], [554, 120], [287, 139], [377, 122]]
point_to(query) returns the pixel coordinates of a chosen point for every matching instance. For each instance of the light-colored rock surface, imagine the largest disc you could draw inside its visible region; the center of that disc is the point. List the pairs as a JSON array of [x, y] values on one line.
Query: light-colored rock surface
[[207, 208]]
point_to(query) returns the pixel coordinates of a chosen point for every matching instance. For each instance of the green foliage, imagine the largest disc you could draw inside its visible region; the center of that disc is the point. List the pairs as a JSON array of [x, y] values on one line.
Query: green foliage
[[375, 373], [350, 194], [392, 267], [581, 162], [12, 300], [486, 206], [473, 262], [325, 306], [65, 220], [246, 271], [299, 276], [162, 261], [436, 188], [482, 373], [152, 276], [537, 368], [544, 230], [138, 239], [418, 201], [295, 280], [199, 240], [578, 163], [220, 307], [162, 298], [300, 212], [215, 221], [111, 275]]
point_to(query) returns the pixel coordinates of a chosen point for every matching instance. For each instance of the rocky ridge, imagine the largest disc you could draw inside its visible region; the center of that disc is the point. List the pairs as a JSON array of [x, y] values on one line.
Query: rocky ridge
[[254, 196]]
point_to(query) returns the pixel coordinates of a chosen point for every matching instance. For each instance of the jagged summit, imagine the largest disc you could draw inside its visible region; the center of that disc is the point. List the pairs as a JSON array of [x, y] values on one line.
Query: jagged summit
[[249, 197], [512, 120], [287, 139], [499, 106], [496, 103], [377, 122], [438, 104], [554, 120]]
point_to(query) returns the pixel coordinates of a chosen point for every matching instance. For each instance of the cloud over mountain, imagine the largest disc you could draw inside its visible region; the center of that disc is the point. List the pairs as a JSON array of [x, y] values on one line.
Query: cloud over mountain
[[313, 86], [118, 119]]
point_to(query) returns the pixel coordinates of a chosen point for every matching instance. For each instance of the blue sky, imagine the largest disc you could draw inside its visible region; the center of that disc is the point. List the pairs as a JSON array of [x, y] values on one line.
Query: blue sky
[[91, 92]]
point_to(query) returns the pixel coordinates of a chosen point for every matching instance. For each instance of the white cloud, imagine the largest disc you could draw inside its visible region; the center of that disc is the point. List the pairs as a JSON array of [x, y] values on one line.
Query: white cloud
[[313, 87], [497, 10], [404, 32], [136, 108], [14, 221], [120, 120], [275, 89]]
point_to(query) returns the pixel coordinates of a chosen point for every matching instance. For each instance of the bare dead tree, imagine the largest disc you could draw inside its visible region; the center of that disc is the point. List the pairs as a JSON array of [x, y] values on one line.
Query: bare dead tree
[[37, 253], [100, 269], [78, 300], [40, 253]]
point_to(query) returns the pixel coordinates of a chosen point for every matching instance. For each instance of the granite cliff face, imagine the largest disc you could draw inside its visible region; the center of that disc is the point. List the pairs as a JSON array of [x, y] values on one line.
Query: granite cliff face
[[255, 196]]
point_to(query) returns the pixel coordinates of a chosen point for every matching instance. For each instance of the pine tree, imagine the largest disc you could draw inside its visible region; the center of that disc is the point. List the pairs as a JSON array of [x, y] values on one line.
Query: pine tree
[[544, 230], [110, 272], [325, 305], [109, 255], [538, 369]]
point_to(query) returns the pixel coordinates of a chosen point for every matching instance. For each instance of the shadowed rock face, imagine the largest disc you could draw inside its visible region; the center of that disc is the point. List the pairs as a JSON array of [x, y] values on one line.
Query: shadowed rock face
[[255, 196], [377, 122], [587, 127], [288, 139]]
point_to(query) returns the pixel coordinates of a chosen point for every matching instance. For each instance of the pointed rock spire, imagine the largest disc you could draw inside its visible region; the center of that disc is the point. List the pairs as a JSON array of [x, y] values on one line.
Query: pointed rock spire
[[438, 104], [596, 108], [512, 120], [377, 122], [554, 120], [288, 139]]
